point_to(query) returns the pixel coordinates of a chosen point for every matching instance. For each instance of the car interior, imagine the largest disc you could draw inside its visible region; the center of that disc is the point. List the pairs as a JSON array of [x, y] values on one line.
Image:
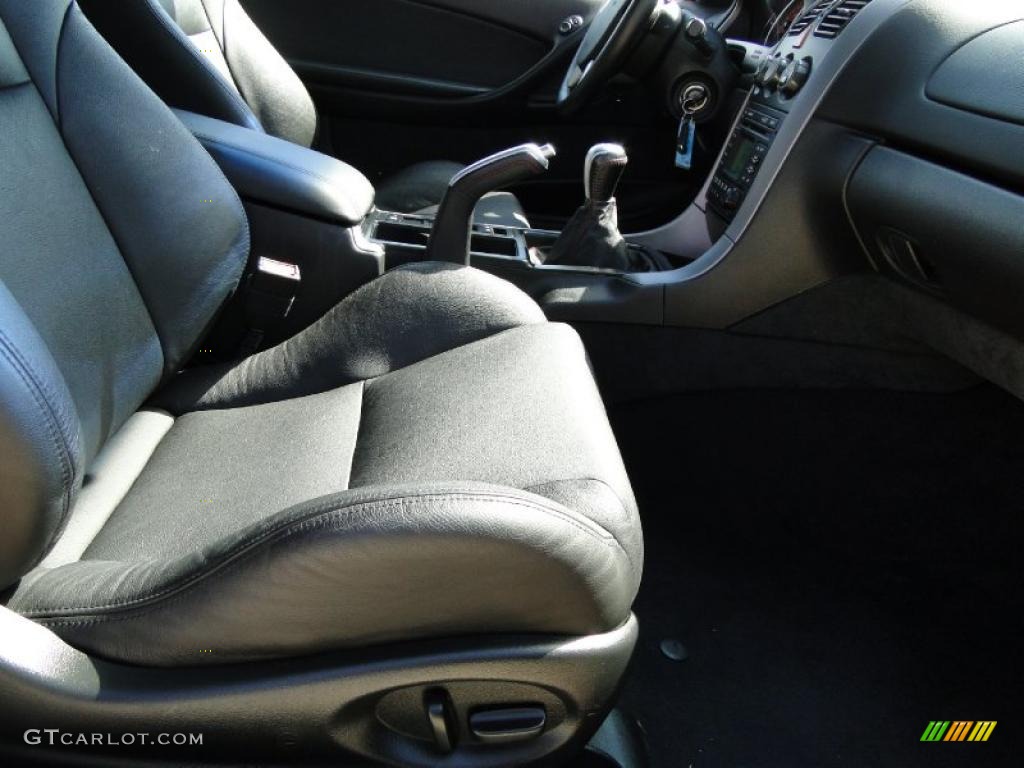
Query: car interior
[[597, 383]]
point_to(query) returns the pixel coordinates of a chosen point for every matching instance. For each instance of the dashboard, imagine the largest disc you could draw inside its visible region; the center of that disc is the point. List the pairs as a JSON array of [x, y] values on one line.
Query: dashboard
[[938, 201], [880, 136], [870, 193]]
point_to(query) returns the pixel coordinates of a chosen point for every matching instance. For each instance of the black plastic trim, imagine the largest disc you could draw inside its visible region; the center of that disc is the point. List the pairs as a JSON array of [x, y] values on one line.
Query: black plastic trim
[[961, 237]]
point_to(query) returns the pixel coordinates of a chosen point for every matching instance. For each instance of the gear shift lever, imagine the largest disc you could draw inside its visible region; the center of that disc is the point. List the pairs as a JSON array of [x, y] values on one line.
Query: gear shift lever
[[602, 171], [592, 237]]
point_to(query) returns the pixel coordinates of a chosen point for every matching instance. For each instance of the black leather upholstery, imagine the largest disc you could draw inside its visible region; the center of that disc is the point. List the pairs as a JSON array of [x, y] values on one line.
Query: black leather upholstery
[[113, 264], [208, 57], [431, 459]]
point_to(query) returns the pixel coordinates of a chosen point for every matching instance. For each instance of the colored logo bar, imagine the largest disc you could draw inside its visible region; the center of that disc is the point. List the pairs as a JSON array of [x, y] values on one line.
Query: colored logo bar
[[958, 730]]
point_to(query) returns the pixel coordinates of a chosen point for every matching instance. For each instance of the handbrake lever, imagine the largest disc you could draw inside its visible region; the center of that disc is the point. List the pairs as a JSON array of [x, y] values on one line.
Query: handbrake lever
[[453, 227]]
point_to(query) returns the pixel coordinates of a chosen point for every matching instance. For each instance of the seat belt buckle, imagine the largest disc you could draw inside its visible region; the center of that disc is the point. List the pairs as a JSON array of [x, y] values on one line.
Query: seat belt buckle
[[270, 295]]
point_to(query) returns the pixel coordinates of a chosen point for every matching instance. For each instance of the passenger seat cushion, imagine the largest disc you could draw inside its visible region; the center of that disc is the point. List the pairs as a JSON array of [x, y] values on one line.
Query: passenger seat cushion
[[451, 518], [356, 569], [409, 314], [519, 409], [292, 451]]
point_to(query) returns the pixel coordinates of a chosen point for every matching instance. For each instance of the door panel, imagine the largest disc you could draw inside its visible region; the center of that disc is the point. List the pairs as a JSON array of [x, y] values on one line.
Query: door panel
[[539, 18], [475, 44]]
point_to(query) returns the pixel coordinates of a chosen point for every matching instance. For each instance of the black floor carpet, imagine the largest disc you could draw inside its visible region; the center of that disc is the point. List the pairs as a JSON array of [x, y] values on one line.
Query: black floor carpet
[[841, 569]]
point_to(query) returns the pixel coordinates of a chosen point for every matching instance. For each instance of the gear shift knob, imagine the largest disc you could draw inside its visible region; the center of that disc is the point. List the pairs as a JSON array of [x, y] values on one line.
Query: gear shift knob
[[602, 171]]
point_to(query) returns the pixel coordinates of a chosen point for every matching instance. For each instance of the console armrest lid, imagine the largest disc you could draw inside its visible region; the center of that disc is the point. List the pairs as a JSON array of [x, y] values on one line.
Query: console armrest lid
[[269, 170]]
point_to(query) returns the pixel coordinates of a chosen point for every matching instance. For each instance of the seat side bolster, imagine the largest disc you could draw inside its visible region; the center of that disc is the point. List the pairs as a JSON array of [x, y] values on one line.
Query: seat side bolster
[[411, 313], [355, 569], [40, 444]]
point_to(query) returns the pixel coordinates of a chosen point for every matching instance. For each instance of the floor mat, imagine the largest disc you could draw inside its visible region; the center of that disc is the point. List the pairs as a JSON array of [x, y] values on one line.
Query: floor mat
[[841, 568]]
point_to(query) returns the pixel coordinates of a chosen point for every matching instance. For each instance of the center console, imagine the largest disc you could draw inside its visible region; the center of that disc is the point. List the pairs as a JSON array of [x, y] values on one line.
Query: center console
[[590, 241], [507, 250]]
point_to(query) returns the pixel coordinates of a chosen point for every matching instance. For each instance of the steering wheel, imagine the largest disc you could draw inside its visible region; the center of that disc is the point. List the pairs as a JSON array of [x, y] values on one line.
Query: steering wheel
[[613, 34]]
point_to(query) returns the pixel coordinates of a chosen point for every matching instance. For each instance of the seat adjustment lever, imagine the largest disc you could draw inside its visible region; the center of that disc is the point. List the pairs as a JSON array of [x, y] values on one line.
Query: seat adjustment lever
[[506, 724], [442, 722]]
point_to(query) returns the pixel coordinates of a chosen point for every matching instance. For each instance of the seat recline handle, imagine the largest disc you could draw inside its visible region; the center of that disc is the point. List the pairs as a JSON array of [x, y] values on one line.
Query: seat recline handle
[[453, 226]]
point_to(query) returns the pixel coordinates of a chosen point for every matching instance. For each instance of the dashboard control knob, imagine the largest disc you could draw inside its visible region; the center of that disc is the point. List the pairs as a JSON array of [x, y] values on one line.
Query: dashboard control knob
[[769, 75], [789, 66], [731, 199], [570, 24], [795, 77], [762, 70]]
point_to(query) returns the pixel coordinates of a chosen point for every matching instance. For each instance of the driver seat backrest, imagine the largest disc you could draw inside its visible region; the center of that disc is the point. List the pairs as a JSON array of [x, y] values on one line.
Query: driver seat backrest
[[208, 57], [113, 261]]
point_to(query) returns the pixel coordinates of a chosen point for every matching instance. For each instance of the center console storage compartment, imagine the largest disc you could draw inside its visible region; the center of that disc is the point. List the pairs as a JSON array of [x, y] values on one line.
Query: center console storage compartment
[[404, 237]]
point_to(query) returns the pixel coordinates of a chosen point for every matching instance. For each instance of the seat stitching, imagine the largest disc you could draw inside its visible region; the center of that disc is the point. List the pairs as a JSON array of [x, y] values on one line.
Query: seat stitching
[[355, 434], [213, 27], [56, 67], [316, 519], [607, 485], [222, 41]]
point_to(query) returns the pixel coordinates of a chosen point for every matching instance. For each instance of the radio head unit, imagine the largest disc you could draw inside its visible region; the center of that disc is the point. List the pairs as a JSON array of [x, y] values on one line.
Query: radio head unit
[[742, 159]]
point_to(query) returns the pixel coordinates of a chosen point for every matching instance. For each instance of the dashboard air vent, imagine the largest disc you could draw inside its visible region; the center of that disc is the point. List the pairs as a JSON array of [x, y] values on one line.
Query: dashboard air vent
[[835, 21], [808, 17]]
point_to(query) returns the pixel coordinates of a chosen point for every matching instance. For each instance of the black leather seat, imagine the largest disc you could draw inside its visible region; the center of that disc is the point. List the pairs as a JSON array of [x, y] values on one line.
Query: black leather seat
[[208, 57], [430, 460]]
